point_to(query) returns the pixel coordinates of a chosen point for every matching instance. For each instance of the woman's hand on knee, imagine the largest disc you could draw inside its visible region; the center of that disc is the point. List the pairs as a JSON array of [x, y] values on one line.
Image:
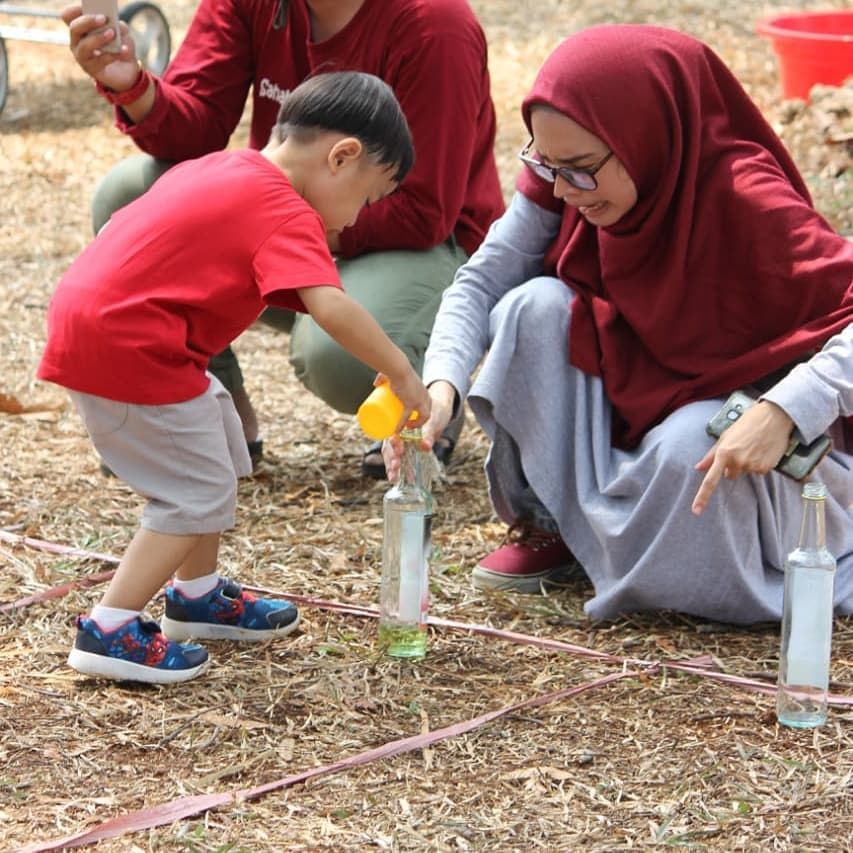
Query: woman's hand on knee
[[754, 444]]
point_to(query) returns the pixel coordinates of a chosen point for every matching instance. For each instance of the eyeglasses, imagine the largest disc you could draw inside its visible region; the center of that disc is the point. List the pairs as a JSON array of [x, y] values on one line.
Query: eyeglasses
[[580, 179]]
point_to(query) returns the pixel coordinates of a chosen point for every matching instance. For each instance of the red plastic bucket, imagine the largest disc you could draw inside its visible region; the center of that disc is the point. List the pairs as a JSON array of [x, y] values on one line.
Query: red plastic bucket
[[812, 47]]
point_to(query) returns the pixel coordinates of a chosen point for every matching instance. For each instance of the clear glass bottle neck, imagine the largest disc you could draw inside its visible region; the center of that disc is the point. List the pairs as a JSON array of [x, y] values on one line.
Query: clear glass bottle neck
[[813, 527], [411, 464]]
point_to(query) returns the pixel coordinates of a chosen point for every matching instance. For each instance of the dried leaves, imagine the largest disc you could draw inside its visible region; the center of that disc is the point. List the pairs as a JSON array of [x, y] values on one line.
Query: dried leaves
[[820, 136], [666, 759]]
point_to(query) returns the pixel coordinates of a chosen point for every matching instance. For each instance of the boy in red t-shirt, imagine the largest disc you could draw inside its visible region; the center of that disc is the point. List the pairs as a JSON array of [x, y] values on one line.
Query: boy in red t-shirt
[[402, 253], [168, 283]]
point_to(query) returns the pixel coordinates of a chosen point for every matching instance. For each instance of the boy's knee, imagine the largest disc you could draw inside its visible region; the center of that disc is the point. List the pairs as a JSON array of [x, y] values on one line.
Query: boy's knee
[[226, 507], [213, 507]]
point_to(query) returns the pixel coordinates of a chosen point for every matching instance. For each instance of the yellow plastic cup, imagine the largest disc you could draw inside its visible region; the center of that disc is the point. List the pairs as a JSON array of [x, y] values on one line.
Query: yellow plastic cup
[[380, 413]]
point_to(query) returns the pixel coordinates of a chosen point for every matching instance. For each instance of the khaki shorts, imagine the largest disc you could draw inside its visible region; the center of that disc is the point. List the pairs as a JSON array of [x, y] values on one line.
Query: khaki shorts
[[184, 458]]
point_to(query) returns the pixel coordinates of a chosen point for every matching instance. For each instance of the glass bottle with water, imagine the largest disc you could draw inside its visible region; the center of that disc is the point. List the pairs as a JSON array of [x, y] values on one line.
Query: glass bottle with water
[[807, 620], [406, 546]]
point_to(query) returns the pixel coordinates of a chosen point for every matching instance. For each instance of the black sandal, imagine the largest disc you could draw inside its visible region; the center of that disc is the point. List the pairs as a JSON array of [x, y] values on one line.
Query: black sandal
[[373, 465], [256, 451], [446, 444]]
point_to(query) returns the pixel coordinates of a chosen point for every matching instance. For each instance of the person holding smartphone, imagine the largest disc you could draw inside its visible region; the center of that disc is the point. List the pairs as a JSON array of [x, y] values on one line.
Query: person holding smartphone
[[661, 252], [402, 252]]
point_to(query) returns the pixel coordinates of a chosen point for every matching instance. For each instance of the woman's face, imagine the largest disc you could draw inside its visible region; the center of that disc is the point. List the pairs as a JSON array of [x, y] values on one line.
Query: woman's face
[[560, 141]]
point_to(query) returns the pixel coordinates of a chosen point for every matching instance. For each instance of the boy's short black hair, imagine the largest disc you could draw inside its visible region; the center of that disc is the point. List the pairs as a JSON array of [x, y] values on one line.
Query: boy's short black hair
[[356, 104]]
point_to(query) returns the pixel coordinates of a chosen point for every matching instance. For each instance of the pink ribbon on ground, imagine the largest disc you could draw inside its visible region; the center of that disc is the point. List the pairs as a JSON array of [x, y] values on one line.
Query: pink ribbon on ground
[[66, 551], [185, 807], [700, 666]]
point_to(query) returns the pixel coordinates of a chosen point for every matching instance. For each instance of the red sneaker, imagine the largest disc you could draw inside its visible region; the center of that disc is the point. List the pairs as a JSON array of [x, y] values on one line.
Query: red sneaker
[[527, 559]]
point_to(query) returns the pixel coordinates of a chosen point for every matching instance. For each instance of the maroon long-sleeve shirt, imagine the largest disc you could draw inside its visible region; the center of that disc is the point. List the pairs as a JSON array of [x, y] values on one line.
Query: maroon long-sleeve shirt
[[431, 52]]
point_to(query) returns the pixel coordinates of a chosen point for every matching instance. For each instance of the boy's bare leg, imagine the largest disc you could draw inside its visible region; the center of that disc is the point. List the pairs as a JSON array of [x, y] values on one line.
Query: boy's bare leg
[[152, 559], [202, 559]]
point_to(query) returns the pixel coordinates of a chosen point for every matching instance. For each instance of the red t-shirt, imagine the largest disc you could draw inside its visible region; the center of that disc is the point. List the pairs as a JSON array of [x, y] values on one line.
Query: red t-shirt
[[178, 274], [431, 52]]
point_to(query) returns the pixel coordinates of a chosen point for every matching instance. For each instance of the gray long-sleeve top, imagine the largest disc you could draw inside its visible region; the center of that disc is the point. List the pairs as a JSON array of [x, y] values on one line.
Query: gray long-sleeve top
[[814, 394]]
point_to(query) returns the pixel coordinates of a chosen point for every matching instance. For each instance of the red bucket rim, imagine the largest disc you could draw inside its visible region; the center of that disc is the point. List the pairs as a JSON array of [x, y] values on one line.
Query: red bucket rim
[[771, 26]]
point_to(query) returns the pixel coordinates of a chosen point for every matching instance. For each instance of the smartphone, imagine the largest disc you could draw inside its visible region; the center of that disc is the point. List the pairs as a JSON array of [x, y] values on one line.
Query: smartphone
[[108, 8], [799, 459]]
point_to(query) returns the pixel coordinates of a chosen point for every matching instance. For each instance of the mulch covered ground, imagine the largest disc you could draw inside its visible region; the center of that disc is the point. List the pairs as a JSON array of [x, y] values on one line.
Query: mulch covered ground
[[644, 754]]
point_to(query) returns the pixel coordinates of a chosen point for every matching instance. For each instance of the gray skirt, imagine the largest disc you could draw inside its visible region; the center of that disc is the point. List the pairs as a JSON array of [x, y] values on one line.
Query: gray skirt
[[626, 514]]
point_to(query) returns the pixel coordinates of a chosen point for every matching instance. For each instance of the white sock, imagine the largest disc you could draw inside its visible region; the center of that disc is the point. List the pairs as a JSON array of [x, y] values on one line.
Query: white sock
[[110, 618], [197, 586]]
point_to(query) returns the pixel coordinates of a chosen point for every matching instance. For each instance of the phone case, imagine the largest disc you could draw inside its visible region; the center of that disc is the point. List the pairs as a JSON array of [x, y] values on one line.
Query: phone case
[[109, 8], [800, 459], [804, 457], [732, 409]]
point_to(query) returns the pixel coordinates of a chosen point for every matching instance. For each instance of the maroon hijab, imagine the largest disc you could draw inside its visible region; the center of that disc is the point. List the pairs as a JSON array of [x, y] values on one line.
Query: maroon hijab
[[722, 272]]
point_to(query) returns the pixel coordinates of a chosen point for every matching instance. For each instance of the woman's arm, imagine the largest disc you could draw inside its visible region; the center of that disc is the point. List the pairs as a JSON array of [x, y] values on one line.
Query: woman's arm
[[809, 399], [819, 391], [511, 254]]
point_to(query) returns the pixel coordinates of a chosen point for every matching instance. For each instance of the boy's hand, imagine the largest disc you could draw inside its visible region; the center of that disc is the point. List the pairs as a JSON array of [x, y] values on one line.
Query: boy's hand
[[442, 395], [356, 330], [413, 395]]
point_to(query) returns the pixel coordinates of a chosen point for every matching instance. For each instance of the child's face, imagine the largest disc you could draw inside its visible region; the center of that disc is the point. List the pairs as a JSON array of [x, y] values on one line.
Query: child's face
[[350, 182], [558, 141]]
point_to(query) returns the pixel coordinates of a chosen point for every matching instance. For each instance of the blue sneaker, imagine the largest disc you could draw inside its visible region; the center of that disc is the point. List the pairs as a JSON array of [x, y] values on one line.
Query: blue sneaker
[[227, 612], [135, 651]]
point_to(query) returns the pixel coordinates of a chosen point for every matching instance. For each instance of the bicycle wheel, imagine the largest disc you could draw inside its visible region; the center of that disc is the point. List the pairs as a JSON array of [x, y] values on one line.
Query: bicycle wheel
[[150, 32], [4, 74]]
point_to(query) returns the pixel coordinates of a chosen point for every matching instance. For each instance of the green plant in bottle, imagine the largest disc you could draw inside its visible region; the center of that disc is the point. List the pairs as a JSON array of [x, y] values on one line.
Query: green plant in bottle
[[404, 590]]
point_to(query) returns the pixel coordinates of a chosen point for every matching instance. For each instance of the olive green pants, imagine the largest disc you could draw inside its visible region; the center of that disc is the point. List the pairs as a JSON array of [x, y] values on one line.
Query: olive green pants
[[401, 289]]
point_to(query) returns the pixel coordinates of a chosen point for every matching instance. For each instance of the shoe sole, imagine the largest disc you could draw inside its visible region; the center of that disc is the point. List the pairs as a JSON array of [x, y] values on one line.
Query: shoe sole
[[102, 666], [486, 579], [182, 631]]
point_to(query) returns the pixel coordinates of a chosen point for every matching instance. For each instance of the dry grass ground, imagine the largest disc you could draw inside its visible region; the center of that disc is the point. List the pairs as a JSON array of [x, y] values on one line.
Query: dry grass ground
[[657, 760]]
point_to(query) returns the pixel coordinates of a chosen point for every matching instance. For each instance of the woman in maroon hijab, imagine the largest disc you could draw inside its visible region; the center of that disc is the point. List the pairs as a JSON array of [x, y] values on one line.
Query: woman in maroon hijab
[[662, 251]]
